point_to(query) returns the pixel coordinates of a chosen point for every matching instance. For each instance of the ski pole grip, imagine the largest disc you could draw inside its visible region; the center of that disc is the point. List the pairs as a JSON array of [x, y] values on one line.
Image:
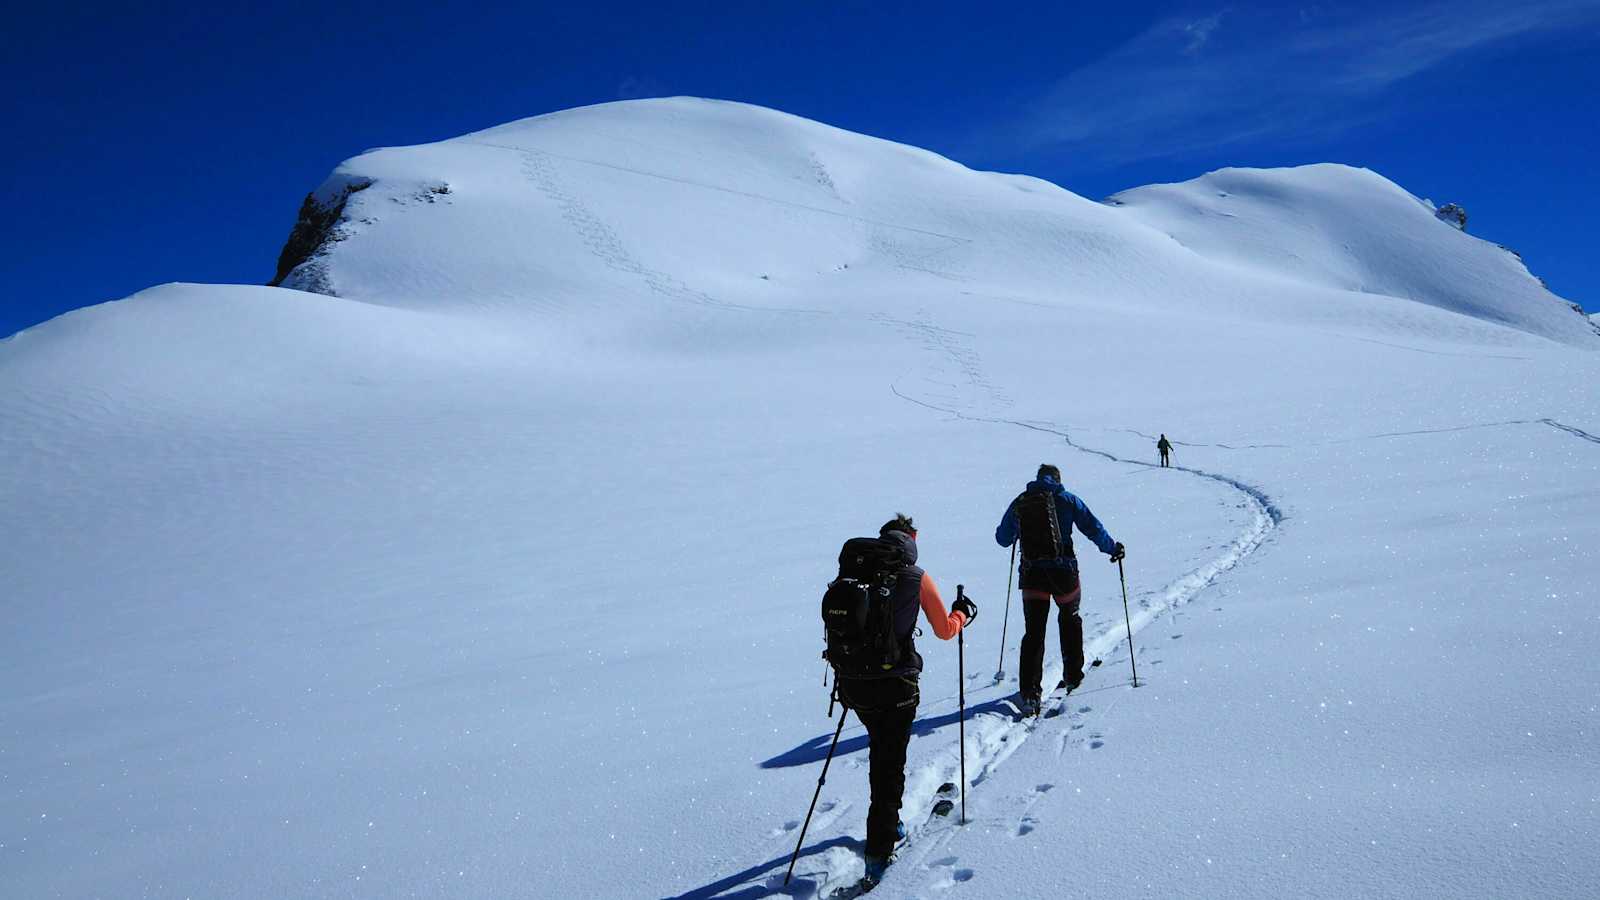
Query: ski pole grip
[[961, 591]]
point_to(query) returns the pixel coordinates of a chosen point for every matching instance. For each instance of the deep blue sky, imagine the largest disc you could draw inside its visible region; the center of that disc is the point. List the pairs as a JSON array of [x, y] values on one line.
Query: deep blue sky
[[175, 142]]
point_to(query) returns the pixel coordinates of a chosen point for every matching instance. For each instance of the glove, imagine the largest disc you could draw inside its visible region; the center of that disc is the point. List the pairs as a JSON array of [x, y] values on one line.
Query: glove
[[1119, 553], [966, 607]]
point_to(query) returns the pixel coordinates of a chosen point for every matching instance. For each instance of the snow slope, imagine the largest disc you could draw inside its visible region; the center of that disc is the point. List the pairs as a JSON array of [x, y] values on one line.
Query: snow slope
[[495, 573], [1351, 230]]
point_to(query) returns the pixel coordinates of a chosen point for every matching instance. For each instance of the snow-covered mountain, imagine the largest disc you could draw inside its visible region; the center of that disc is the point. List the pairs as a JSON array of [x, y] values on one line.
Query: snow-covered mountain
[[481, 558], [735, 194], [1350, 230]]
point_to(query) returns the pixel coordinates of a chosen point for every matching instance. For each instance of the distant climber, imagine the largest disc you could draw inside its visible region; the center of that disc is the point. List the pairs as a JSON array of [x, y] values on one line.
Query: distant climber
[[1165, 447], [871, 650], [1042, 517]]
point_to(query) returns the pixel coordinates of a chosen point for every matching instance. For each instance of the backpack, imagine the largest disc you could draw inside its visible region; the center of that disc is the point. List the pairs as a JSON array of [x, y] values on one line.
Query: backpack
[[858, 609], [1041, 527]]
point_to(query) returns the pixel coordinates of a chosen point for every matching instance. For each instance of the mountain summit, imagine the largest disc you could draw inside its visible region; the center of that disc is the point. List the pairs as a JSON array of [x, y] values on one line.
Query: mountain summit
[[719, 202]]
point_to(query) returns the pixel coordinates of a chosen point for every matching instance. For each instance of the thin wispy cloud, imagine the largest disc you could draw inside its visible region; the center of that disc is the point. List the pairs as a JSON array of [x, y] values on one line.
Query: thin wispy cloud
[[1201, 30], [1204, 81]]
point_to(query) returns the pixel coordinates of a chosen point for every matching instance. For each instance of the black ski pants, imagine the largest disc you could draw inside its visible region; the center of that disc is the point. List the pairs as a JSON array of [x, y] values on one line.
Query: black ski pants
[[1039, 588], [887, 707]]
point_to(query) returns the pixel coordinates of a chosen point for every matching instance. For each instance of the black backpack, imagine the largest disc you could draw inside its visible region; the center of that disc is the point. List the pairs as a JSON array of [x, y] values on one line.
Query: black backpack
[[858, 609], [1041, 527]]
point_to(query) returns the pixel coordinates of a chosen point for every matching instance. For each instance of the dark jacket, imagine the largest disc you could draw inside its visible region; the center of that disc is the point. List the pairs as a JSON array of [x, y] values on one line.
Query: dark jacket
[[1069, 509], [914, 590]]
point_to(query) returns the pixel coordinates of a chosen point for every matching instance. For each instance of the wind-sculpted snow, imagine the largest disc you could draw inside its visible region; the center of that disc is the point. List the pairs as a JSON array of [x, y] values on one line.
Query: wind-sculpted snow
[[488, 564]]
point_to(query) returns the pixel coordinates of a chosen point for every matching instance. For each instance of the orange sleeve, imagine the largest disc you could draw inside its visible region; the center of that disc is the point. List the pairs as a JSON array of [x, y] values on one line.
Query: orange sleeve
[[945, 625]]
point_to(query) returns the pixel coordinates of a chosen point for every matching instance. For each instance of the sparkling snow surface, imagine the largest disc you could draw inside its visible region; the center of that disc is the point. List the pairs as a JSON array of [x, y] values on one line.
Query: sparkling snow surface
[[496, 574]]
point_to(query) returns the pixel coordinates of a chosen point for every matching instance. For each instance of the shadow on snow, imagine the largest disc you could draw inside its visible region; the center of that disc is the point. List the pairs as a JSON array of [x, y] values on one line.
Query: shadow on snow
[[800, 886], [816, 749]]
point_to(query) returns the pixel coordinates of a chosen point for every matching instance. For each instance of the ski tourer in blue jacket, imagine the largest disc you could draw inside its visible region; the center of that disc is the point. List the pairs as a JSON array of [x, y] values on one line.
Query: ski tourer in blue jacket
[[1069, 508], [1044, 580]]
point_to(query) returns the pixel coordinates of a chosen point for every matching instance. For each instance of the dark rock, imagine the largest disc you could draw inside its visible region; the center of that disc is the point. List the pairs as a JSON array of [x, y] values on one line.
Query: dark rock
[[315, 228], [1452, 213]]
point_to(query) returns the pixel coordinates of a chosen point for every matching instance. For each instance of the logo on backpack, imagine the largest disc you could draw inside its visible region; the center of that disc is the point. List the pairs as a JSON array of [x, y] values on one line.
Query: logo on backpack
[[858, 609]]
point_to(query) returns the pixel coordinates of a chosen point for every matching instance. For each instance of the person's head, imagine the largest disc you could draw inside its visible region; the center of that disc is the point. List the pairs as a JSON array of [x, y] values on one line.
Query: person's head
[[902, 523], [1048, 472]]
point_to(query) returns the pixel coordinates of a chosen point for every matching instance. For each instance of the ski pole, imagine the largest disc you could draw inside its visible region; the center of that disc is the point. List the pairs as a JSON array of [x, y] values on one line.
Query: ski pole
[[1000, 670], [961, 690], [1128, 622], [843, 714]]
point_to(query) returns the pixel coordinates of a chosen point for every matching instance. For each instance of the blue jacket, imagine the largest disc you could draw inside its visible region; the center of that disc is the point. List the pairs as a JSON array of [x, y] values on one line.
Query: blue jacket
[[1068, 509]]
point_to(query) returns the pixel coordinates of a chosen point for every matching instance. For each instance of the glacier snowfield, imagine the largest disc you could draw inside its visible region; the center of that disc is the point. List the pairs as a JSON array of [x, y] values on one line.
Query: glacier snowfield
[[482, 558]]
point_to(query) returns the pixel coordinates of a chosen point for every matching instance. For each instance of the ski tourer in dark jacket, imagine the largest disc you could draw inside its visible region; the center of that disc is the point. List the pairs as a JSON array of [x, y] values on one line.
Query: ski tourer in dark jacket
[[887, 704], [914, 592]]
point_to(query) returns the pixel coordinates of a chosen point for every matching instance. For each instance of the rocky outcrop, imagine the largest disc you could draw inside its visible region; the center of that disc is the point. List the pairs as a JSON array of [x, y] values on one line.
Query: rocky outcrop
[[316, 228], [1453, 214]]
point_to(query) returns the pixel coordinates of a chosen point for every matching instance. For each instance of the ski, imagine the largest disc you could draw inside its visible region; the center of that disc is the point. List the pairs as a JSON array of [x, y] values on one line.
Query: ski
[[1032, 716], [941, 808], [1049, 701], [1058, 704]]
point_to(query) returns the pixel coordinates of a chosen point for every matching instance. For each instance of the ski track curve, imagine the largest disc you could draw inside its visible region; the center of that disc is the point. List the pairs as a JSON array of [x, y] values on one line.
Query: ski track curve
[[992, 738], [833, 862], [1575, 432], [995, 738]]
